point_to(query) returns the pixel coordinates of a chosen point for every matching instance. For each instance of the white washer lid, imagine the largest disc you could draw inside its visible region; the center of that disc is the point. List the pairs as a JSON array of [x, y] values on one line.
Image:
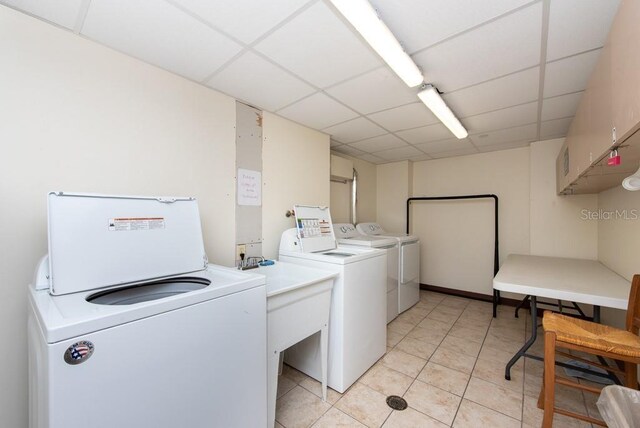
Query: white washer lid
[[97, 241], [314, 228]]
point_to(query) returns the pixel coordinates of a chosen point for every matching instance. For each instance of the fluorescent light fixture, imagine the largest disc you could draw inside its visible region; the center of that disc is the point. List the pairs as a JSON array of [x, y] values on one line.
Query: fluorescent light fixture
[[632, 182], [365, 20], [432, 99]]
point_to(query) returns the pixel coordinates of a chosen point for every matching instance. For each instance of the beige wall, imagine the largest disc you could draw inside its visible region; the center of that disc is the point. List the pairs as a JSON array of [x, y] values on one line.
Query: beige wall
[[619, 239], [457, 236], [288, 177], [393, 187], [80, 117], [557, 226], [341, 194]]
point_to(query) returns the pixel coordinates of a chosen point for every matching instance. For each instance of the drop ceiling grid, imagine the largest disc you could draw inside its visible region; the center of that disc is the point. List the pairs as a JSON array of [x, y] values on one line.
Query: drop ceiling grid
[[496, 97]]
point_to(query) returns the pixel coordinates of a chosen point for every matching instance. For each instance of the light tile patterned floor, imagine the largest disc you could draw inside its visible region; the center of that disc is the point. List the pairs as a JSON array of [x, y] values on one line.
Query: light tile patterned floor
[[446, 357]]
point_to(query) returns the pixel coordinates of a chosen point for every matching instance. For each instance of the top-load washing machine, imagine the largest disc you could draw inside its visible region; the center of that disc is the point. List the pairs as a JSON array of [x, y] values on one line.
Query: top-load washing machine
[[357, 320], [129, 326], [347, 235], [409, 261]]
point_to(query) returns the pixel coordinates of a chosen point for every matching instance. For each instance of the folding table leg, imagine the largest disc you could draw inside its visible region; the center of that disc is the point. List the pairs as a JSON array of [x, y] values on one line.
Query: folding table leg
[[534, 334]]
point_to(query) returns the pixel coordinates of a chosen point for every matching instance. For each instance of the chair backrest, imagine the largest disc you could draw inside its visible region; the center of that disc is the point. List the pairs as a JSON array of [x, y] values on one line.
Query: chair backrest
[[633, 310]]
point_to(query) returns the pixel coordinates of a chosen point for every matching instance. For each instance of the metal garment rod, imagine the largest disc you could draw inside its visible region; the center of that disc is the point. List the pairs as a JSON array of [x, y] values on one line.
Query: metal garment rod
[[496, 253]]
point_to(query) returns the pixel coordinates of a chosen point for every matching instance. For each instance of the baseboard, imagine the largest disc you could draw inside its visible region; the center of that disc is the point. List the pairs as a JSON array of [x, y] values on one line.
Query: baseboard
[[470, 295]]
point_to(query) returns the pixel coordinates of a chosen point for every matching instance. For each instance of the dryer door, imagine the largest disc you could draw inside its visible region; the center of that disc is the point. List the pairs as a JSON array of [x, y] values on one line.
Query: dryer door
[[410, 259]]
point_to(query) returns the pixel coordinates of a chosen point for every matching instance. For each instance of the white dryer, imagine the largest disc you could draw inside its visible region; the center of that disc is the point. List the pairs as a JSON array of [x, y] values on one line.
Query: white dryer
[[357, 322], [129, 326], [409, 262], [347, 235]]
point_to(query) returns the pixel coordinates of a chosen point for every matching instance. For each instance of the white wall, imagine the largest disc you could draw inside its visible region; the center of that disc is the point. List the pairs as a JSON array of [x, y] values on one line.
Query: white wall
[[457, 236], [557, 226], [366, 203], [295, 170], [393, 188]]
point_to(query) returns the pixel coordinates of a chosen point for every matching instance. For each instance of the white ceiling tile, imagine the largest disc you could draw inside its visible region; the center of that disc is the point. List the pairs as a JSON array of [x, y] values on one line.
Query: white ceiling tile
[[399, 154], [420, 158], [377, 90], [419, 23], [453, 153], [520, 133], [245, 20], [319, 47], [404, 117], [570, 74], [504, 146], [354, 130], [61, 12], [555, 128], [445, 145], [317, 111], [504, 118], [501, 47], [255, 80], [578, 25], [160, 34], [425, 134], [561, 106], [381, 142], [348, 150], [371, 158], [517, 88], [334, 143]]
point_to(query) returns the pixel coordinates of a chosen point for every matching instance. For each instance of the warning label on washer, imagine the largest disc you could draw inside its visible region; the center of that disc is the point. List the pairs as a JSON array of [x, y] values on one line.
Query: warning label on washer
[[136, 223]]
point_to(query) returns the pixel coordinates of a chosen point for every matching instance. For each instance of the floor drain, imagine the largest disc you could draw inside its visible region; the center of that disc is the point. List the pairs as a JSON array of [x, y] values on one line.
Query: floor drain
[[396, 403]]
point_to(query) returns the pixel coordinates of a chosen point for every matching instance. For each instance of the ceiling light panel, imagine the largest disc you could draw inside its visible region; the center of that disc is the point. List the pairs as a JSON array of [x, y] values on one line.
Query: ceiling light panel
[[561, 106], [365, 20], [245, 20], [382, 142], [432, 99], [61, 12], [578, 25], [317, 111], [498, 48], [274, 89], [374, 91], [569, 74], [508, 91], [442, 18], [405, 117], [354, 130], [504, 118], [318, 47], [158, 33]]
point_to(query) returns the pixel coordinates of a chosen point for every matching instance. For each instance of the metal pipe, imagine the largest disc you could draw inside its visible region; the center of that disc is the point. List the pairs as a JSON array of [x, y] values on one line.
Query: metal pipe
[[354, 196]]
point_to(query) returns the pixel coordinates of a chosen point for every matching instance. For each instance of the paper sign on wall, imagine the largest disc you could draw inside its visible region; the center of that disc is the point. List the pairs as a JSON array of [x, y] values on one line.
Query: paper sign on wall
[[249, 187]]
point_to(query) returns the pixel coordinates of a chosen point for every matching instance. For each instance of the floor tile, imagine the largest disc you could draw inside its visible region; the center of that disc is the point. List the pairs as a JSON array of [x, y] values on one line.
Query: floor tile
[[403, 362], [506, 345], [468, 333], [277, 425], [435, 325], [444, 378], [432, 401], [410, 418], [532, 416], [493, 371], [413, 315], [453, 360], [299, 408], [455, 302], [400, 326], [418, 348], [284, 385], [293, 374], [507, 333], [386, 381], [315, 387], [393, 338], [503, 400], [443, 317], [365, 405], [335, 418], [462, 346], [472, 415], [427, 335], [494, 354]]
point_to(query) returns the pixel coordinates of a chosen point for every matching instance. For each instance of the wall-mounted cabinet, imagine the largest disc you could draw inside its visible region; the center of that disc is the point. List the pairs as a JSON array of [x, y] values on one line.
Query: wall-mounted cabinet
[[608, 114]]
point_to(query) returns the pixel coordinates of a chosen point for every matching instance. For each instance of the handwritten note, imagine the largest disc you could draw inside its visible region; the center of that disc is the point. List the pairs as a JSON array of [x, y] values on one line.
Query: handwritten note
[[249, 187]]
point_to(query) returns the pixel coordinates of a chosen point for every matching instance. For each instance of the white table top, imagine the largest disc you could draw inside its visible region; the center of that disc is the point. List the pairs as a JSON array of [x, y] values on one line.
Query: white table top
[[573, 280]]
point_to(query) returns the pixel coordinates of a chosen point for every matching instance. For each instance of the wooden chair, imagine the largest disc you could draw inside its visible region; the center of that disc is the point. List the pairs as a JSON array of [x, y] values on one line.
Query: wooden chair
[[561, 331]]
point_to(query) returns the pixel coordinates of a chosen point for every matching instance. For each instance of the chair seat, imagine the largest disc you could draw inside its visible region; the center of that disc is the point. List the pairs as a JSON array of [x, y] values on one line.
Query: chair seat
[[592, 335]]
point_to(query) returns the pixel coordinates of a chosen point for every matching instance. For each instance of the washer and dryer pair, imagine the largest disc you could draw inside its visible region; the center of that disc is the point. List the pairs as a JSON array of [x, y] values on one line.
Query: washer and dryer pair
[[129, 326]]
